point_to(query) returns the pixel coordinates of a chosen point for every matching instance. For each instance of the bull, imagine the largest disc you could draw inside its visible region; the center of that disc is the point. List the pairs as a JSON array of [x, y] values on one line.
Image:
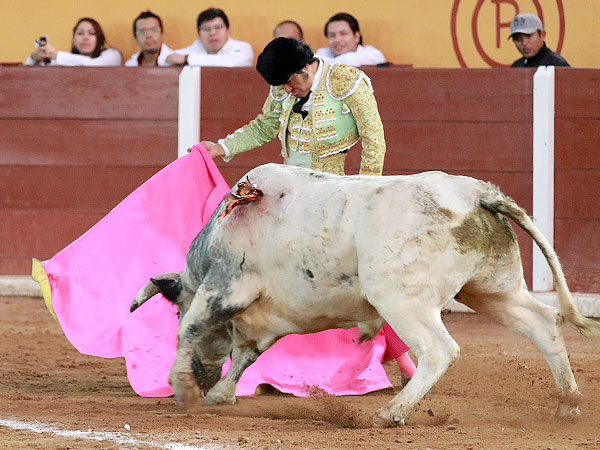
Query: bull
[[310, 251]]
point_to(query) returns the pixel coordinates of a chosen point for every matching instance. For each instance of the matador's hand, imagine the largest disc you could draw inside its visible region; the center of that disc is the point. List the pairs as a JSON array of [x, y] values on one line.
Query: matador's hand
[[214, 150]]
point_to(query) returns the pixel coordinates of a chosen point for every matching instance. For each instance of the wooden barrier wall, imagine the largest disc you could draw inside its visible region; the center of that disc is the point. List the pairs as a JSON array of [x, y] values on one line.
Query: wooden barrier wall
[[74, 142], [577, 177]]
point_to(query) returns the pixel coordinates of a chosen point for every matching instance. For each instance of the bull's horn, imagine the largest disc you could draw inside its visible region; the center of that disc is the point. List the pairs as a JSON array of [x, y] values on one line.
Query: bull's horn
[[152, 288], [149, 290]]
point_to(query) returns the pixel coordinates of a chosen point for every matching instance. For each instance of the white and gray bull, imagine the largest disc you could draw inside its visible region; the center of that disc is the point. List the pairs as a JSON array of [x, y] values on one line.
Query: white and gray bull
[[319, 251]]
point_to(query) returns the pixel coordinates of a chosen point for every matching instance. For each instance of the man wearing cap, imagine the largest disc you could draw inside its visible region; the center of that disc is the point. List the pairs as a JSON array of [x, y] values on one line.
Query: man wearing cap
[[527, 32], [319, 110]]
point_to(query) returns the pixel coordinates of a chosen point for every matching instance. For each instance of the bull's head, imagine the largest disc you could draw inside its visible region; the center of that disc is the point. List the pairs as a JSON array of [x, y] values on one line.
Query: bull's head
[[214, 345]]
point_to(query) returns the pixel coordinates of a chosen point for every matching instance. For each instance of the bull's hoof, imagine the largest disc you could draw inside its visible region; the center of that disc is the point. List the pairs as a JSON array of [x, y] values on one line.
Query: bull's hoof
[[186, 391], [568, 407], [191, 400], [188, 399], [384, 420], [381, 422], [216, 399], [566, 413]]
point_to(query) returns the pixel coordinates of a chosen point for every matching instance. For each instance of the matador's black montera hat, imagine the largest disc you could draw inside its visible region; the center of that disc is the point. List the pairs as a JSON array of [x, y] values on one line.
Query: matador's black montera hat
[[281, 58]]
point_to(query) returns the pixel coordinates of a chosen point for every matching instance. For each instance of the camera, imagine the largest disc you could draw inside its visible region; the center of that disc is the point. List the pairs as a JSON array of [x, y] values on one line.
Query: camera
[[42, 40]]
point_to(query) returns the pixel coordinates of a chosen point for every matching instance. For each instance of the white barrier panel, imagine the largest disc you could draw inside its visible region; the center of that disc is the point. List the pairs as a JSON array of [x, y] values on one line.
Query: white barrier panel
[[543, 171], [188, 132]]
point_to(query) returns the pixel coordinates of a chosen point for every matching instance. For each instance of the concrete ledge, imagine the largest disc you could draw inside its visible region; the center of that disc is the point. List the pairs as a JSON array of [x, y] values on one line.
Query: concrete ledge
[[19, 286], [588, 304]]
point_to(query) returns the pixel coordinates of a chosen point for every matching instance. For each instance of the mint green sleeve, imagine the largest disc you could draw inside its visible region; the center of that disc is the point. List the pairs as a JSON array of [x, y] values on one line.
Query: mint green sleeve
[[258, 131], [366, 115]]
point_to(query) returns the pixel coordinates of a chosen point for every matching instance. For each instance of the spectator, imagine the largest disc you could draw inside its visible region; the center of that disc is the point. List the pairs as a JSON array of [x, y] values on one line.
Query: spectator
[[345, 43], [527, 32], [289, 29], [88, 48], [148, 33], [214, 46]]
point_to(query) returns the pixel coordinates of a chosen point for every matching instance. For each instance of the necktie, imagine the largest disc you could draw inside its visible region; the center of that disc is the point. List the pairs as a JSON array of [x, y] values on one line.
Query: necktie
[[297, 108]]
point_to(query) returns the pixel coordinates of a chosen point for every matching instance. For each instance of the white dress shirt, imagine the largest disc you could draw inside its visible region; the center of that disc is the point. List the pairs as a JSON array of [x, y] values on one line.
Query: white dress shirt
[[233, 54], [314, 86], [108, 57], [362, 56]]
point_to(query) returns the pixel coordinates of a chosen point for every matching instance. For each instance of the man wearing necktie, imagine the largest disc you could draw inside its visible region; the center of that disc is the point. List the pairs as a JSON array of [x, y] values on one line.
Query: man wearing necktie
[[319, 110]]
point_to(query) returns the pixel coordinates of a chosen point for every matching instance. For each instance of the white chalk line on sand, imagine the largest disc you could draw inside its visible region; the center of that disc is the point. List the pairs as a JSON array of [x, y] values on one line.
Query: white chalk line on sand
[[119, 438]]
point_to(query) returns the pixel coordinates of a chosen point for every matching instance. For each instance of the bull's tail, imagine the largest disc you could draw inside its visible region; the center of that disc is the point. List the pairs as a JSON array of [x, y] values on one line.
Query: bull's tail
[[495, 201]]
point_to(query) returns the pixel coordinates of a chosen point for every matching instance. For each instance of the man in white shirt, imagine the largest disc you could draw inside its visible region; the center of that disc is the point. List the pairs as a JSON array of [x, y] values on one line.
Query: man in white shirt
[[148, 33], [345, 43], [214, 46]]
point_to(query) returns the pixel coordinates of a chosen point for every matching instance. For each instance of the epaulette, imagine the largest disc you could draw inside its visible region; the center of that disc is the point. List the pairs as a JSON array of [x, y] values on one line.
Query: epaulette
[[342, 80], [278, 93]]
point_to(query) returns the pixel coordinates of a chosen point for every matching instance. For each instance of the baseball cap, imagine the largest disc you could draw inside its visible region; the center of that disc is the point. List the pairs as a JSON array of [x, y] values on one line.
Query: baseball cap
[[526, 24]]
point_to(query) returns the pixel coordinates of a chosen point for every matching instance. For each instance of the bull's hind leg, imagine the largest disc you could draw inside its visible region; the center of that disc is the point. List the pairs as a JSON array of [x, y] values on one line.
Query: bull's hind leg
[[224, 390], [541, 324], [244, 353], [418, 323]]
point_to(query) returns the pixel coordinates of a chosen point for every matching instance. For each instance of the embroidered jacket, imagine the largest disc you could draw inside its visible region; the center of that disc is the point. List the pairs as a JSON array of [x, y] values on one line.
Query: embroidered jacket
[[343, 112]]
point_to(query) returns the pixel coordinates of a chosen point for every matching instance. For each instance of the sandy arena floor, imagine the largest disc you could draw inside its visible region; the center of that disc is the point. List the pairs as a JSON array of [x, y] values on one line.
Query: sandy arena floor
[[499, 395]]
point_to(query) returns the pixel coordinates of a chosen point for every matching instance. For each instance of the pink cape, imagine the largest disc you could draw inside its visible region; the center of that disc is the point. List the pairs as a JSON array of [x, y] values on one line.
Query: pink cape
[[90, 285]]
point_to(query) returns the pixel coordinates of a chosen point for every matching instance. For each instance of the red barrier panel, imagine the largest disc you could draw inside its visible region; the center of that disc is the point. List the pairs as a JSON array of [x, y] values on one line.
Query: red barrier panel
[[577, 176], [73, 143]]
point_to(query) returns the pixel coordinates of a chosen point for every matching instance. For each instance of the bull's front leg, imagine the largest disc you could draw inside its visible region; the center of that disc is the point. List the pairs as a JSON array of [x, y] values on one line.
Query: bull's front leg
[[203, 340], [181, 378], [192, 373]]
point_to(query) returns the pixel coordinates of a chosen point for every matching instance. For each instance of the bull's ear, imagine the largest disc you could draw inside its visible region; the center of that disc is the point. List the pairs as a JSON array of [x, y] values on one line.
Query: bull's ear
[[170, 288]]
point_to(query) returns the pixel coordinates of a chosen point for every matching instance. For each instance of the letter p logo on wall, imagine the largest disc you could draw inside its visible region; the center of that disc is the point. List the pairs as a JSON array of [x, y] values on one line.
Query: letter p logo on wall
[[480, 29]]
